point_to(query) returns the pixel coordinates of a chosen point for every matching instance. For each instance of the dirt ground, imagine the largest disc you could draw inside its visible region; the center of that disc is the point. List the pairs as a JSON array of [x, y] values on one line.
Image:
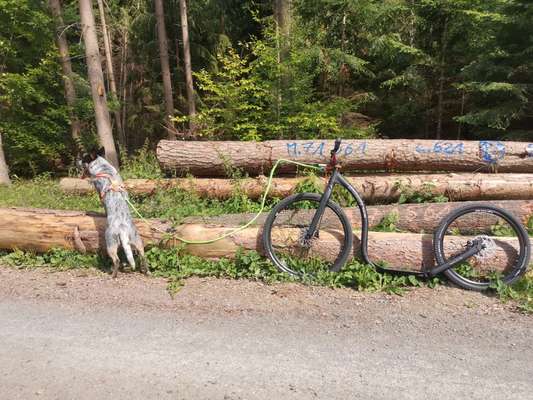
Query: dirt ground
[[229, 339]]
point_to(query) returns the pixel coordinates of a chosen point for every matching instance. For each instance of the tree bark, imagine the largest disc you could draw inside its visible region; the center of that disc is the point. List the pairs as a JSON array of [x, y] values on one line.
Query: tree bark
[[66, 66], [187, 63], [4, 171], [178, 70], [442, 66], [165, 66], [372, 188], [96, 78], [124, 79], [111, 72], [416, 218], [23, 229], [209, 158], [282, 16]]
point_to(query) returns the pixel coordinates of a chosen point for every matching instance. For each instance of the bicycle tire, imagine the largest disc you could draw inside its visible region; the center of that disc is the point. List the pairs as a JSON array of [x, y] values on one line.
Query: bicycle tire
[[513, 273], [347, 242]]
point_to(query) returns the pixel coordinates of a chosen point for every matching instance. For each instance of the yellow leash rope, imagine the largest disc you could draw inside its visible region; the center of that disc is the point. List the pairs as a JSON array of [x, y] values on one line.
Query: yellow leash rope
[[263, 201]]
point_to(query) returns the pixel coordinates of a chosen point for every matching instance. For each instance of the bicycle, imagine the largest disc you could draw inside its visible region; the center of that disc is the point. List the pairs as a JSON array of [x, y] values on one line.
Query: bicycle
[[470, 253]]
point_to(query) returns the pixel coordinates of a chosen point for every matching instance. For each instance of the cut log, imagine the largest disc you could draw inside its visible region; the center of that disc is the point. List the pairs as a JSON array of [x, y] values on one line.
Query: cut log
[[417, 218], [373, 188], [212, 158], [41, 230]]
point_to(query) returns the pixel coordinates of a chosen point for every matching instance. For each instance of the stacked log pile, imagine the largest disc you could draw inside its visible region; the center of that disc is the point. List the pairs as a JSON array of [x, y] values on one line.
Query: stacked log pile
[[498, 172], [42, 230], [373, 188], [217, 158]]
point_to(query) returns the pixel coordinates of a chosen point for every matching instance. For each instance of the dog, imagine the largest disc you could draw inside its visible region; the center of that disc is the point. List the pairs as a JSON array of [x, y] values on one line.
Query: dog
[[120, 229]]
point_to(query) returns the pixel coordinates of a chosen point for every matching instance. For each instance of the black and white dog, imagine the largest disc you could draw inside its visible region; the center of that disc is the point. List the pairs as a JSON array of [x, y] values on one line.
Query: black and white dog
[[120, 230]]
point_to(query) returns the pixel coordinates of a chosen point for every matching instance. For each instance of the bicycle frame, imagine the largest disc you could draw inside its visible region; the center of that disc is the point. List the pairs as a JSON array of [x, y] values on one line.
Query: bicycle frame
[[337, 179]]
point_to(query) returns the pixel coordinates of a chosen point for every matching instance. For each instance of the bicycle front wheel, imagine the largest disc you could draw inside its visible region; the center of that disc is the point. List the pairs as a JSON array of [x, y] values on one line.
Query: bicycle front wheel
[[506, 252], [284, 236]]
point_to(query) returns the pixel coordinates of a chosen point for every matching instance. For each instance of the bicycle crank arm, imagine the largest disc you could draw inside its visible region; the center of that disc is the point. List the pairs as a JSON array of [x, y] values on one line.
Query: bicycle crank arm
[[476, 248]]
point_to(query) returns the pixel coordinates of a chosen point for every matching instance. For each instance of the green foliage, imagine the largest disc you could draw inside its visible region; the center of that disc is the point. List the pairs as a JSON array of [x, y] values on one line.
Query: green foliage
[[388, 223], [354, 69], [174, 204], [43, 192], [32, 116], [234, 100], [521, 292], [60, 259], [142, 164], [169, 263], [310, 184], [502, 228], [256, 97], [425, 195]]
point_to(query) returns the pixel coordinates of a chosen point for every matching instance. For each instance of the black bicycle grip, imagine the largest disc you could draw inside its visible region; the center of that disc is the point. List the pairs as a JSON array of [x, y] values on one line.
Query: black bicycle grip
[[337, 146]]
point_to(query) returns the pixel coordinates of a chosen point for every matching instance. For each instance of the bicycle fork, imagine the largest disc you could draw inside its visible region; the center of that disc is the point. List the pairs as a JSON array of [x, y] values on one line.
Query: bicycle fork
[[472, 249], [315, 222]]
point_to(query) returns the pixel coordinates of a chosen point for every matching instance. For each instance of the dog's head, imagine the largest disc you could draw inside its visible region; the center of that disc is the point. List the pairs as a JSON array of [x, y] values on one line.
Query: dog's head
[[93, 162]]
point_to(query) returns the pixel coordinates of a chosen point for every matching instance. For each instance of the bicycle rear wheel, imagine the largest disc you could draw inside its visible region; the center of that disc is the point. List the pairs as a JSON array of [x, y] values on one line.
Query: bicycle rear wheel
[[284, 239], [507, 247]]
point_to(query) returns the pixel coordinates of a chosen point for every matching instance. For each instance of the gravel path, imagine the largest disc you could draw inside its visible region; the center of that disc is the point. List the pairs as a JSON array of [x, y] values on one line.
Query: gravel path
[[82, 335]]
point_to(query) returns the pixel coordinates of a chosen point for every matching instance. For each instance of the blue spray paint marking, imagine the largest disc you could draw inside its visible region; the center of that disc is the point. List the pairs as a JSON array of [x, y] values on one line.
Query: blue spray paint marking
[[491, 151], [446, 148], [529, 150], [298, 149], [320, 149], [291, 149], [422, 149]]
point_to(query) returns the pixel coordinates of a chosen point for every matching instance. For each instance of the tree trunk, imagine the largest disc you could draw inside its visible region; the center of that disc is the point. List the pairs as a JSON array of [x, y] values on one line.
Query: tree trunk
[[4, 171], [440, 101], [416, 218], [462, 112], [23, 229], [372, 188], [282, 16], [96, 78], [187, 63], [111, 72], [124, 80], [66, 66], [165, 66], [178, 70], [211, 158]]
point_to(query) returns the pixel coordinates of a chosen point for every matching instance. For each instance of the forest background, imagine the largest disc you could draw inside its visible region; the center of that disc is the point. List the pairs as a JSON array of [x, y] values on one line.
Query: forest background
[[257, 70]]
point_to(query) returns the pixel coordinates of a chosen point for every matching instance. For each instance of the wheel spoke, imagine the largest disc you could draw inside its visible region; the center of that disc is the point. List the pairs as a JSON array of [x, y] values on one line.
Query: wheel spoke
[[286, 230]]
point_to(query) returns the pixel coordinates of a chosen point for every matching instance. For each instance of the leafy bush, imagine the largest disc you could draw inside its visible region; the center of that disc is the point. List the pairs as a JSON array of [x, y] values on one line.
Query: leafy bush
[[258, 97], [142, 164]]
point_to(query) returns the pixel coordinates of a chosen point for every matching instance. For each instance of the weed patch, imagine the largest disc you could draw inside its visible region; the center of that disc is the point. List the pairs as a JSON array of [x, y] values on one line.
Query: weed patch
[[169, 263]]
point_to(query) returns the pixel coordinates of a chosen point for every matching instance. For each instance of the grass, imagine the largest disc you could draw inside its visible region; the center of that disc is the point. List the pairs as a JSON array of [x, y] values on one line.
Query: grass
[[171, 264], [175, 266], [521, 292], [174, 204]]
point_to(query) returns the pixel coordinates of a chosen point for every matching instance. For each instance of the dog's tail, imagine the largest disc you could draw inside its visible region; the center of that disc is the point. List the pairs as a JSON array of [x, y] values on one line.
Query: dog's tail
[[125, 241]]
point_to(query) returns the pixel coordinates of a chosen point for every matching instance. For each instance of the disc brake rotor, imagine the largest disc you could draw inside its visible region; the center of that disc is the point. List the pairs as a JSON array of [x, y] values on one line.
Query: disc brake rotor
[[488, 250], [304, 241]]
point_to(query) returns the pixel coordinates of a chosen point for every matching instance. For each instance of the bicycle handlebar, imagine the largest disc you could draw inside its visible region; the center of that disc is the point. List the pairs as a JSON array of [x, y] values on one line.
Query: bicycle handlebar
[[336, 147]]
